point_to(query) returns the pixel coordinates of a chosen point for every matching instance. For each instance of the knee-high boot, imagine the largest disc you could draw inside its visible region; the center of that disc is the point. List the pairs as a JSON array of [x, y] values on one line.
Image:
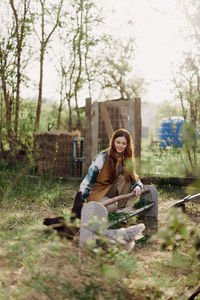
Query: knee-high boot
[[77, 206]]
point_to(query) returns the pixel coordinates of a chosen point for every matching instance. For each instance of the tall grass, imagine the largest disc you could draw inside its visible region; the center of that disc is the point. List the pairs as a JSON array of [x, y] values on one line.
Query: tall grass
[[169, 162]]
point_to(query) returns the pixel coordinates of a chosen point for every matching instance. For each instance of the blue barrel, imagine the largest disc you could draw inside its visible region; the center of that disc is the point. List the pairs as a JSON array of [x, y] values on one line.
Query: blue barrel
[[171, 132]]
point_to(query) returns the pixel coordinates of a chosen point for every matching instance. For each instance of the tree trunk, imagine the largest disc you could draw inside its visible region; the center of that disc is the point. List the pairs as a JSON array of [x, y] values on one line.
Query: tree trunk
[[20, 36], [77, 82], [59, 114], [18, 92], [70, 126], [43, 44], [39, 105], [8, 102], [78, 123]]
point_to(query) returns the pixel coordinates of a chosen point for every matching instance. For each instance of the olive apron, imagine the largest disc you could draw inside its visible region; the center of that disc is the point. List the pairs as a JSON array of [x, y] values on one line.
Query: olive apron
[[105, 186]]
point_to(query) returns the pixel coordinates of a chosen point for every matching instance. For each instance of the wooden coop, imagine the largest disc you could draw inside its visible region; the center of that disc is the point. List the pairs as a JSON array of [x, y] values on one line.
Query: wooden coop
[[103, 118], [54, 152], [63, 153]]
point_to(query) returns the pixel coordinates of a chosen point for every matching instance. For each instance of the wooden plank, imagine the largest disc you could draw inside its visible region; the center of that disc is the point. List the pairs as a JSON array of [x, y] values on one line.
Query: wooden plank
[[95, 129], [131, 122], [121, 121], [138, 131], [106, 118], [118, 198], [122, 197], [88, 136]]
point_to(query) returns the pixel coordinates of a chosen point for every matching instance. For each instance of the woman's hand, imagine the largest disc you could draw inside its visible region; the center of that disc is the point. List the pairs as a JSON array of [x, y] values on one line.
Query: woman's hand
[[137, 190]]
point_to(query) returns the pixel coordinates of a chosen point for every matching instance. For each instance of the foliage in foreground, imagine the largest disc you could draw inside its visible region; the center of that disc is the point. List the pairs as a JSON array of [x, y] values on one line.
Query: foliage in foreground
[[36, 264]]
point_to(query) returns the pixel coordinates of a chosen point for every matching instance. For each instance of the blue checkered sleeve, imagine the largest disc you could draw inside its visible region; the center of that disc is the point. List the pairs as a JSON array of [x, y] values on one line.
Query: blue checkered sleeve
[[91, 176]]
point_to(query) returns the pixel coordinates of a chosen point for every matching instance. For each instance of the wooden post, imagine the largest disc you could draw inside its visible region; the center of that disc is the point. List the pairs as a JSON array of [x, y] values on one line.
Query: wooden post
[[88, 136], [95, 130], [138, 131], [131, 121], [106, 118]]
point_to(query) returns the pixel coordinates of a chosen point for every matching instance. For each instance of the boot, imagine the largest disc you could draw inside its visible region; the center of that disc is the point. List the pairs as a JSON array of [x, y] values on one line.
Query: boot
[[78, 204], [63, 229]]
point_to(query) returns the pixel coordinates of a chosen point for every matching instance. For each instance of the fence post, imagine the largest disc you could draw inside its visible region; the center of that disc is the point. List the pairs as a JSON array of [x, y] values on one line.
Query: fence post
[[88, 136], [95, 129], [138, 132]]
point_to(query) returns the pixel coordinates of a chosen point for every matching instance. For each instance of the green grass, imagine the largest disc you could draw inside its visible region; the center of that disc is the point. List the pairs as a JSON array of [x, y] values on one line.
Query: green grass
[[171, 162], [36, 264]]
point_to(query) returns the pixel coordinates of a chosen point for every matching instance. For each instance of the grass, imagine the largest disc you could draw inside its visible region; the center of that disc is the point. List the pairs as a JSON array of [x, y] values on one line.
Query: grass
[[36, 264], [169, 162]]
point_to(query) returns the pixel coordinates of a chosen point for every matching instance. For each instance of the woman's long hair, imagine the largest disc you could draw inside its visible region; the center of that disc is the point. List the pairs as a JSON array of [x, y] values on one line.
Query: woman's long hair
[[129, 171]]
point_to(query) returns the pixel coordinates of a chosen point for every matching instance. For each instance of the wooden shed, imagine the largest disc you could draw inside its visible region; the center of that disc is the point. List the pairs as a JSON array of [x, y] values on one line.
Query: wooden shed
[[103, 118]]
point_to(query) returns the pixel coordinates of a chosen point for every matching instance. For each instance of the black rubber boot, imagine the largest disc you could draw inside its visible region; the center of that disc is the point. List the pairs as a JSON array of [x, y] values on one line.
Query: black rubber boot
[[76, 209], [52, 221], [63, 229]]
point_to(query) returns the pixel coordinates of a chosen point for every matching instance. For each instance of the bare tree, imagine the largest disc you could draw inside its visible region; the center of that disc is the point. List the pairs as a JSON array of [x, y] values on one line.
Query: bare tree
[[191, 9], [4, 53], [20, 34], [186, 83], [116, 71], [44, 37], [13, 61], [75, 57], [62, 97]]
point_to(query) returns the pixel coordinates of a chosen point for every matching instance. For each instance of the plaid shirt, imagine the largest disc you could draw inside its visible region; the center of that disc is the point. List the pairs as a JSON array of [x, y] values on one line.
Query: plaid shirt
[[93, 171]]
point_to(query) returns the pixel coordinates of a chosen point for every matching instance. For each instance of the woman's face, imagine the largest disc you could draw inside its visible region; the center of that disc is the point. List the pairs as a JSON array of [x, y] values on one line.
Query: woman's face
[[120, 144]]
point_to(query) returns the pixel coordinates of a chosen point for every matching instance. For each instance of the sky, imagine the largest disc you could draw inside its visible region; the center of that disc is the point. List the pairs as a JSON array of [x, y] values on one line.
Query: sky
[[157, 28]]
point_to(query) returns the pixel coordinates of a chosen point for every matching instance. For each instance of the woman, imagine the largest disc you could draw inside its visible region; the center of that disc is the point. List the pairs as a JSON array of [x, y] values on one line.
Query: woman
[[110, 174]]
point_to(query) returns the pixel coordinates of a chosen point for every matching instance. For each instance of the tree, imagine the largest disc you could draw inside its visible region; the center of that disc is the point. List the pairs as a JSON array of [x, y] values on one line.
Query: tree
[[62, 97], [168, 109], [78, 43], [20, 32], [13, 61], [187, 82], [45, 17], [191, 10], [117, 72]]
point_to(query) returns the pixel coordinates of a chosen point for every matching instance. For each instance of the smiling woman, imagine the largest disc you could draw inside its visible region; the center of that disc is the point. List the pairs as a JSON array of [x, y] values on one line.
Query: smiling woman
[[120, 144], [111, 173]]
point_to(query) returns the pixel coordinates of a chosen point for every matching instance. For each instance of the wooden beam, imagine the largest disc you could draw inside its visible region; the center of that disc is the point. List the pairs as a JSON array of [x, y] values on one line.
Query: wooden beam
[[88, 136], [131, 121], [122, 197], [106, 118], [95, 129], [138, 131]]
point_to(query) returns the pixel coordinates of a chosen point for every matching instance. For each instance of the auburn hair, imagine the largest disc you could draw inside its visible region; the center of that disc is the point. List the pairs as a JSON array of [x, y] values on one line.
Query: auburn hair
[[128, 155]]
